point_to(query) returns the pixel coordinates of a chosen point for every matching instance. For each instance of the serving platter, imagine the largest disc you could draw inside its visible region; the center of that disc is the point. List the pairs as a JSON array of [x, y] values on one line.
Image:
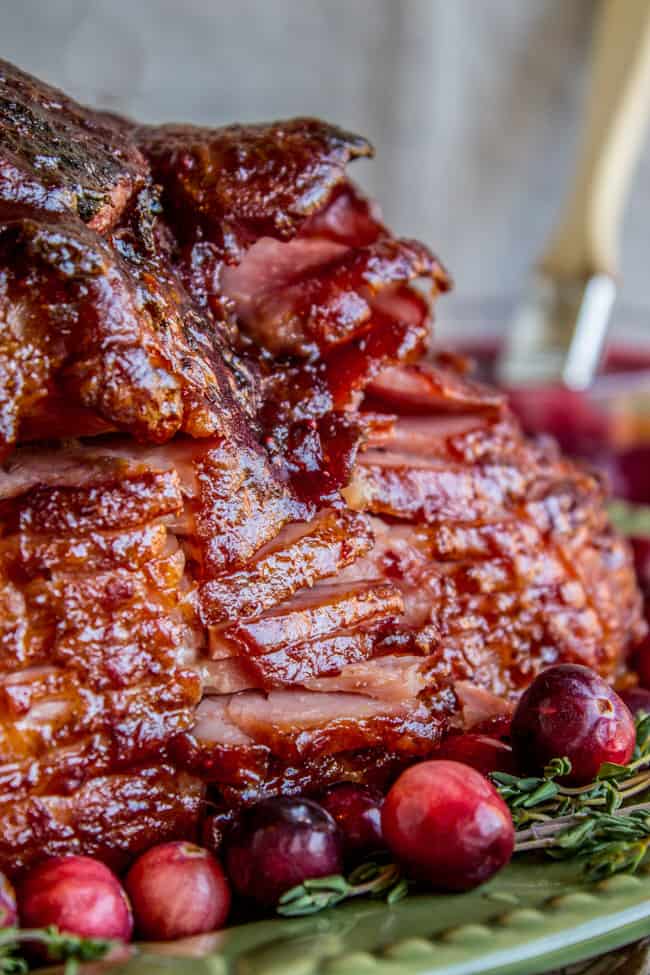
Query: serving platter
[[531, 918]]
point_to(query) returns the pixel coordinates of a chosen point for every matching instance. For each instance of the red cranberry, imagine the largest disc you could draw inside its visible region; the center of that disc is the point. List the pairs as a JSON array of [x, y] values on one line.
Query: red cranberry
[[77, 894], [570, 711], [8, 909], [357, 810], [632, 480], [641, 549], [481, 752], [641, 662], [177, 890], [277, 844], [636, 699], [447, 825]]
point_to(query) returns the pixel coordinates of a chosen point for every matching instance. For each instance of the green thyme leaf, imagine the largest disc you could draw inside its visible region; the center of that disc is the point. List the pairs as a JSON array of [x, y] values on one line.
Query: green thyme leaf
[[597, 823], [61, 947], [557, 768], [610, 770], [630, 519], [371, 879]]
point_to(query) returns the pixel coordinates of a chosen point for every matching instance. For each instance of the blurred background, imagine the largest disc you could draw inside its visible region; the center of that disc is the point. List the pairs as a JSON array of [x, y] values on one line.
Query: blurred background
[[473, 107]]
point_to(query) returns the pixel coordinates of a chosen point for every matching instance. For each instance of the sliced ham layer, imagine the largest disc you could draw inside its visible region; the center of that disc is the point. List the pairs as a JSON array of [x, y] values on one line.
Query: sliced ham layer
[[299, 556], [316, 613], [427, 388], [297, 664], [403, 487], [301, 723], [390, 679], [320, 305]]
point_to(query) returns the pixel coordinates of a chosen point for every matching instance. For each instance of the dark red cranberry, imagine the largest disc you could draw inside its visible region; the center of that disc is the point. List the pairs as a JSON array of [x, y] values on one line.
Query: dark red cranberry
[[77, 894], [632, 479], [636, 699], [570, 711], [641, 549], [481, 752], [641, 662], [357, 810], [8, 909], [280, 842], [177, 890], [447, 825]]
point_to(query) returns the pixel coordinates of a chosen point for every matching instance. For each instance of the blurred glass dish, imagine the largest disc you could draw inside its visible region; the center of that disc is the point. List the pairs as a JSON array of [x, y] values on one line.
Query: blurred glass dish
[[608, 424]]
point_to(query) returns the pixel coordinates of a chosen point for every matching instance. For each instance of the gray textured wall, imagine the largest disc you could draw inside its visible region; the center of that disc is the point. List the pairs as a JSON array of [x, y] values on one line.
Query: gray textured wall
[[473, 105]]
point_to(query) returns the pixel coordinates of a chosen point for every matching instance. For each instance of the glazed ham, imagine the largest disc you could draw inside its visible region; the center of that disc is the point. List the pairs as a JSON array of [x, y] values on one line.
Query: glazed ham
[[254, 539]]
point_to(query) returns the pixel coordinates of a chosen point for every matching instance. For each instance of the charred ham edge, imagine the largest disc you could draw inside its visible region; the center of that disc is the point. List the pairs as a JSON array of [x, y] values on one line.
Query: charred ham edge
[[57, 156], [134, 353], [142, 355], [247, 181]]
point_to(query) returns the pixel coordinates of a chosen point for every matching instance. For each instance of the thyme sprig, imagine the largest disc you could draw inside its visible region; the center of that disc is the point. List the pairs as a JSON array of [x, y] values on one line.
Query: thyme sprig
[[60, 946], [594, 823], [371, 879]]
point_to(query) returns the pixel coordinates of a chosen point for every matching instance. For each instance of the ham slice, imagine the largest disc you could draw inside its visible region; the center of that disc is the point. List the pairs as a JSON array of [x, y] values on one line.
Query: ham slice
[[390, 679], [299, 556], [424, 388], [314, 614], [479, 706]]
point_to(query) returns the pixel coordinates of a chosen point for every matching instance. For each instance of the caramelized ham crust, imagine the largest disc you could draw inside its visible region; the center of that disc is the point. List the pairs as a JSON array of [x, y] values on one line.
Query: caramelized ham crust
[[251, 541]]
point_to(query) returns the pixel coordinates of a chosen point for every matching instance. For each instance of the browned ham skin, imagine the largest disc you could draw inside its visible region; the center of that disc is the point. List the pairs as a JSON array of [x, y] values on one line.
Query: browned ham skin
[[252, 540]]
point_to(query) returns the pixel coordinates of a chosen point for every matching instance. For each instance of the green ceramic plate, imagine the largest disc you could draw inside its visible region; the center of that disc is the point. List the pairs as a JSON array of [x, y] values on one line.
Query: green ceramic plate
[[531, 918]]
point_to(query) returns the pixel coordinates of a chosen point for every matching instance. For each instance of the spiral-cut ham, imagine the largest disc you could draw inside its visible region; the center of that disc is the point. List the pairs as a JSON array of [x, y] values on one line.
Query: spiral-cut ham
[[253, 540]]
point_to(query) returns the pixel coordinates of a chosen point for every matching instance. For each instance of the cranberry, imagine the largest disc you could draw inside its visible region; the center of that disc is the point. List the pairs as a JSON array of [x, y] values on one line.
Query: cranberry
[[8, 910], [77, 894], [570, 711], [357, 810], [483, 753], [632, 480], [641, 549], [277, 844], [447, 825], [636, 699], [641, 662], [177, 890]]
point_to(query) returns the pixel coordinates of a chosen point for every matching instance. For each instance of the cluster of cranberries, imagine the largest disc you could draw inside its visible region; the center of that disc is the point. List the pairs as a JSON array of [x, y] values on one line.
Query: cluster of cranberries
[[442, 820]]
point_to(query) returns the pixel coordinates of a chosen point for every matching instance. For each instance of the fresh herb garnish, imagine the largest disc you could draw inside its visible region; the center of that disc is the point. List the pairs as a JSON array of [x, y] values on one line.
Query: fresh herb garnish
[[60, 946], [629, 519], [595, 823], [372, 879]]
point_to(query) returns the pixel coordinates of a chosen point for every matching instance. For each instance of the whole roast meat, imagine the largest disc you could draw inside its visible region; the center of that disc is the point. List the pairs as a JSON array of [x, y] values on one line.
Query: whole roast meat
[[254, 538]]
